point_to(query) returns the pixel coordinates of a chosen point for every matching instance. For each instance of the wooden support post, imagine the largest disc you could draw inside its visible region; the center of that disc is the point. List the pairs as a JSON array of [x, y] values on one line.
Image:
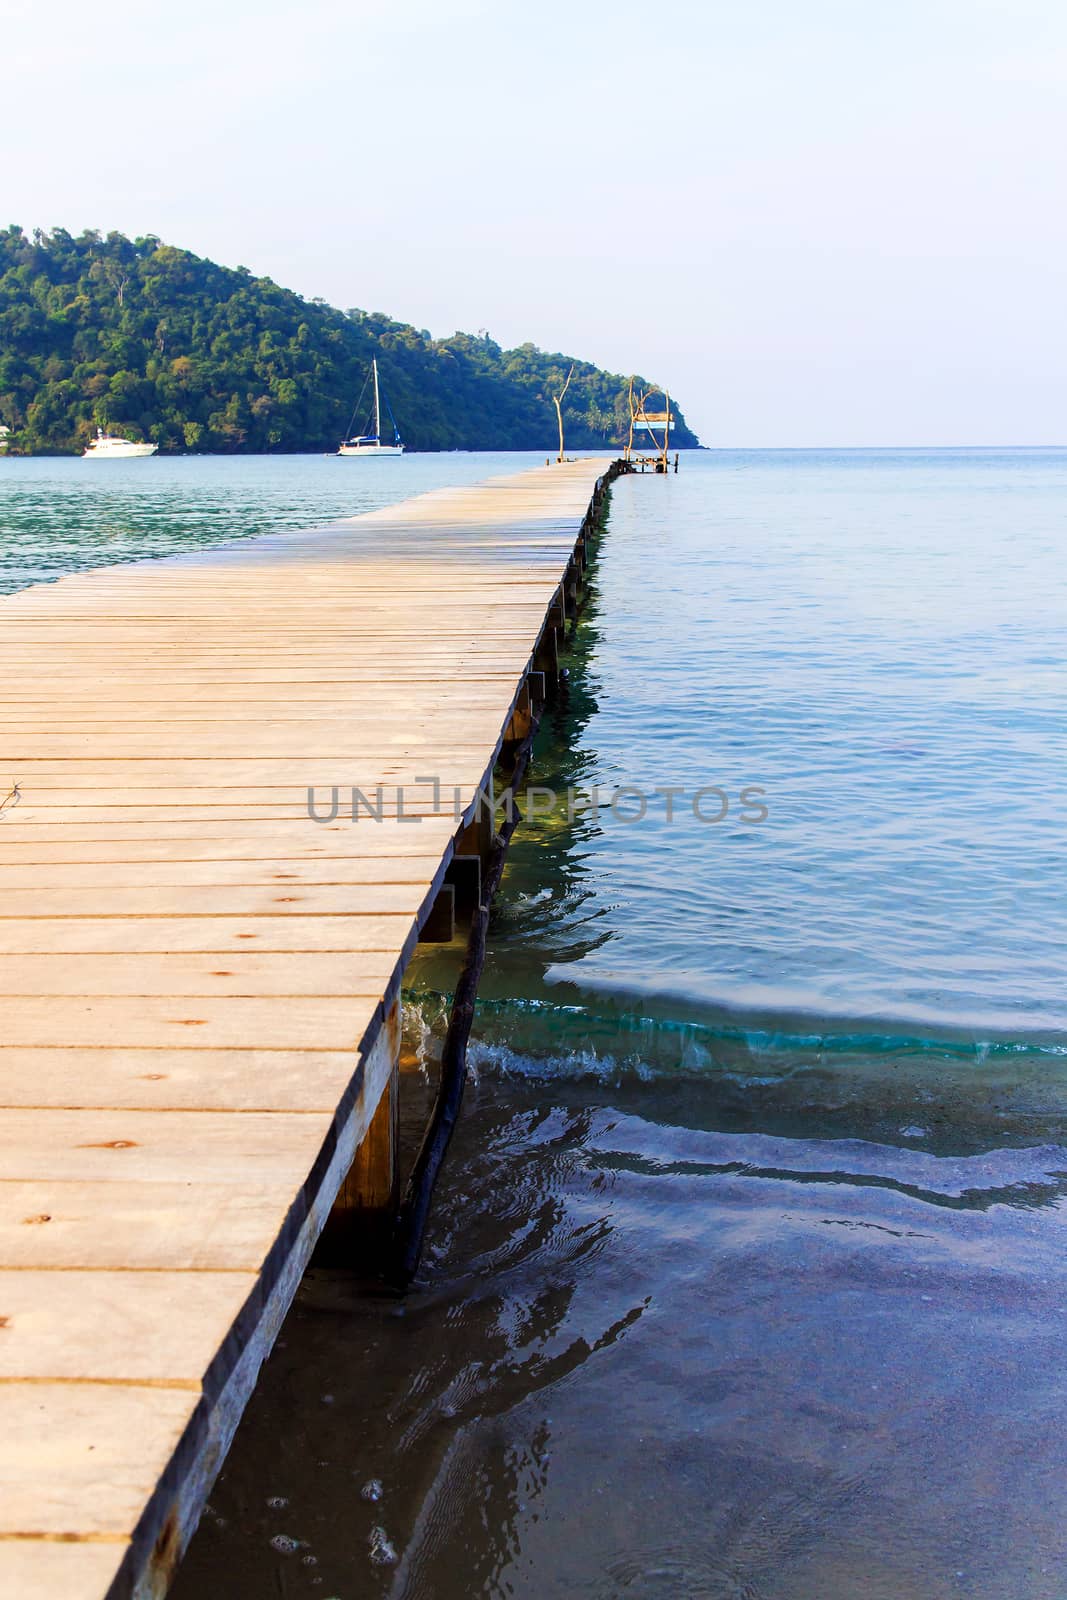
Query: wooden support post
[[571, 585], [517, 729], [371, 1182], [439, 926], [470, 858], [464, 875], [475, 838], [536, 682], [358, 1231], [521, 718], [546, 659]]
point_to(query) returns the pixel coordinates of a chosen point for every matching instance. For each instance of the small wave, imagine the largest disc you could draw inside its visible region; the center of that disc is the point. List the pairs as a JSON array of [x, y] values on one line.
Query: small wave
[[537, 1038]]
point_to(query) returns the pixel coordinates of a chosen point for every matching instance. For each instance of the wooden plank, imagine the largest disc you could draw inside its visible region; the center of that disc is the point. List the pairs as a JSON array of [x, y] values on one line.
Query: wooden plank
[[58, 1224], [210, 874], [210, 741], [67, 1469], [51, 1569], [238, 835], [180, 973], [155, 1079], [198, 807], [206, 842], [307, 840], [203, 1022], [95, 1325], [219, 1147], [366, 937], [178, 1079], [197, 695], [80, 711], [288, 899], [125, 776]]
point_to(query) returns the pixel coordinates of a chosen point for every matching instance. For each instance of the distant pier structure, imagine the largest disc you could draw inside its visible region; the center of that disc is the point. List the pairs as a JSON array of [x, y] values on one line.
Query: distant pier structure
[[649, 453]]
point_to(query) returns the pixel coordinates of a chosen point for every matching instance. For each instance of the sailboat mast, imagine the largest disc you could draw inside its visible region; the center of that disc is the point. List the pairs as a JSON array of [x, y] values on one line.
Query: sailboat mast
[[377, 412]]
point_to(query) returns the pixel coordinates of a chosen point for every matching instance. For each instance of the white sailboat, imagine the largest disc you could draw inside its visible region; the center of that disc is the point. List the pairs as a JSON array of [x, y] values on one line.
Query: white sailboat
[[370, 444], [107, 447]]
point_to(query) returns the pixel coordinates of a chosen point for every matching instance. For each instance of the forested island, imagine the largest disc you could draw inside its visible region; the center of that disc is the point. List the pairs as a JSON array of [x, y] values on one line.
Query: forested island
[[152, 342]]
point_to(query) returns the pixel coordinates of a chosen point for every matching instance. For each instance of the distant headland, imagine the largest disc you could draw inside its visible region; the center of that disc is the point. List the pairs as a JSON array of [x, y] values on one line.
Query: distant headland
[[158, 344]]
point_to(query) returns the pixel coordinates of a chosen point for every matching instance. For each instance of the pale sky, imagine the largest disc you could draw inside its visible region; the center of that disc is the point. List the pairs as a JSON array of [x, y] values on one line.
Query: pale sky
[[820, 222]]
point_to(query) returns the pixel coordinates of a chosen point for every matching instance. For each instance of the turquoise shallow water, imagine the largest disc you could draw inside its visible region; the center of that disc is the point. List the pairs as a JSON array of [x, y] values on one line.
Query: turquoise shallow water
[[747, 1273]]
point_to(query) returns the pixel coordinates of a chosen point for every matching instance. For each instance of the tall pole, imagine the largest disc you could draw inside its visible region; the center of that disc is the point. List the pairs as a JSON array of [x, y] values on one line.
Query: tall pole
[[377, 415], [558, 398]]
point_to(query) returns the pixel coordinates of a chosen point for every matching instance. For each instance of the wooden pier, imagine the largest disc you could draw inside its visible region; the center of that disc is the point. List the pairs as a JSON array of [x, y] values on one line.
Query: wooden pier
[[199, 983]]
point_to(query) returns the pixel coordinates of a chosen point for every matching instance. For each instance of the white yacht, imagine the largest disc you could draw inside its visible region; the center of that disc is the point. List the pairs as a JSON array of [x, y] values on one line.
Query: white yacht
[[370, 444], [106, 447]]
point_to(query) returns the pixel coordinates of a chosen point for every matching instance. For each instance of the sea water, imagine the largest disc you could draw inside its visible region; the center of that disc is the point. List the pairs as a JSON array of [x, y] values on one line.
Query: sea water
[[59, 514], [746, 1275]]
